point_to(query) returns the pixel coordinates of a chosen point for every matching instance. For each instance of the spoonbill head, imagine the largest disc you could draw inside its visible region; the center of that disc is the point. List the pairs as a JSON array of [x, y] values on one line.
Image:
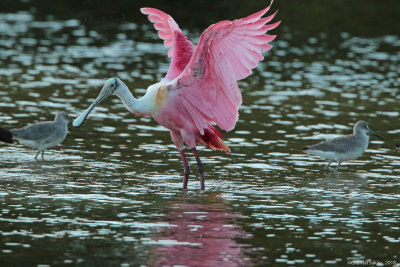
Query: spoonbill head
[[109, 88]]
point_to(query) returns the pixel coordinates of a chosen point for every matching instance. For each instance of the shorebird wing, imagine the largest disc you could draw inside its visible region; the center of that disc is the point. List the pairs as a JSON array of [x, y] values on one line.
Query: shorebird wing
[[37, 131], [339, 144]]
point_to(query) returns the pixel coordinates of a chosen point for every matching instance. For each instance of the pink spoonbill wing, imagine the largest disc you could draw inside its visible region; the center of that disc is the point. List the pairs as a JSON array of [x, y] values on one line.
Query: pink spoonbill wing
[[207, 91], [181, 49]]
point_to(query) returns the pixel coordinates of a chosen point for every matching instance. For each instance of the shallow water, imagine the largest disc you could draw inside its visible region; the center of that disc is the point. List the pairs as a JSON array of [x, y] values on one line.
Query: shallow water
[[111, 193]]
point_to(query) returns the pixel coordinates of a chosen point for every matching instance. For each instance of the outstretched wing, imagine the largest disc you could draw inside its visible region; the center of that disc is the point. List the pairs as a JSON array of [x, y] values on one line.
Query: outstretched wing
[[207, 91], [181, 49]]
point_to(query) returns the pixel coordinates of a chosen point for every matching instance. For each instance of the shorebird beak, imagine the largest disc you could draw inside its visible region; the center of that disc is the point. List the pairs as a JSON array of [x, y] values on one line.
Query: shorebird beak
[[374, 133], [81, 118]]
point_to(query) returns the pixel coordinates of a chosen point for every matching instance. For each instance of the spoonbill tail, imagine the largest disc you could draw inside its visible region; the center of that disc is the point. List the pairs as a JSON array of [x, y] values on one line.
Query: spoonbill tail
[[41, 135], [200, 89], [344, 148]]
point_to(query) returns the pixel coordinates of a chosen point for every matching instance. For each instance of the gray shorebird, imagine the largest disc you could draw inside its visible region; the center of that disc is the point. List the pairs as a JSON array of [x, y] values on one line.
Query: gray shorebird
[[41, 135], [343, 148]]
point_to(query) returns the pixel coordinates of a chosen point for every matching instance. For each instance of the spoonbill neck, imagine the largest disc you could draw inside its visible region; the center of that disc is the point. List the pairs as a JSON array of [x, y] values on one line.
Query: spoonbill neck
[[155, 97], [144, 105]]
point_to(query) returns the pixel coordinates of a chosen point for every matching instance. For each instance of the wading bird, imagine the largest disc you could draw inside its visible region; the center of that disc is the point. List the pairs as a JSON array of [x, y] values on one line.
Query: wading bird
[[200, 89], [343, 148], [41, 135]]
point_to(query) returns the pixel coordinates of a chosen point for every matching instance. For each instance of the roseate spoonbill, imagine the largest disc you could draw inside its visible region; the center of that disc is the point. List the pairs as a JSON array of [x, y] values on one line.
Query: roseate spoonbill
[[344, 148], [200, 88], [41, 135]]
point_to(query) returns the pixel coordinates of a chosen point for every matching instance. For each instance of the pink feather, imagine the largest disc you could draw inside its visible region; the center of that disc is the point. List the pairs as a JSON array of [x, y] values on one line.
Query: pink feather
[[206, 91], [181, 49]]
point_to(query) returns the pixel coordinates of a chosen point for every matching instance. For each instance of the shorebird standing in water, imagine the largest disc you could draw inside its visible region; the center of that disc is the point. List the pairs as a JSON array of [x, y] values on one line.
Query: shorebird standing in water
[[41, 135], [343, 148]]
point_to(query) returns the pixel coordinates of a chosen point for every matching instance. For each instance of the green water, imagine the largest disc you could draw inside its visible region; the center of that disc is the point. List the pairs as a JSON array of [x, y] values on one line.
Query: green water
[[111, 194]]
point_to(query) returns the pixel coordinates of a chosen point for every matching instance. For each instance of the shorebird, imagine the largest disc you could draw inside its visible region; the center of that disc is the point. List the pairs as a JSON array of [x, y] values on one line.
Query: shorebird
[[41, 135], [343, 148], [200, 89], [398, 146]]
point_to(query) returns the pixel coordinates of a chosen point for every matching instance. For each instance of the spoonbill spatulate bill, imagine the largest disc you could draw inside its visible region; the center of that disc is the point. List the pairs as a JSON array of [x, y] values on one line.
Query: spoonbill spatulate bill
[[41, 135], [200, 89], [344, 148]]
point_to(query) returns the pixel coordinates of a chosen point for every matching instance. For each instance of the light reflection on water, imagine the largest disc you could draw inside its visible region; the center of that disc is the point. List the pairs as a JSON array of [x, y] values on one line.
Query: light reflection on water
[[111, 192]]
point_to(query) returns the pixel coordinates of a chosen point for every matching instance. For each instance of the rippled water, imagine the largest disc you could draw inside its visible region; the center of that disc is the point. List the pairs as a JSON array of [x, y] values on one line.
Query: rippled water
[[111, 193]]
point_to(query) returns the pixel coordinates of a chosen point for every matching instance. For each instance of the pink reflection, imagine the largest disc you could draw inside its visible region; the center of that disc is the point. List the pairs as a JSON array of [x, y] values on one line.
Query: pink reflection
[[203, 236]]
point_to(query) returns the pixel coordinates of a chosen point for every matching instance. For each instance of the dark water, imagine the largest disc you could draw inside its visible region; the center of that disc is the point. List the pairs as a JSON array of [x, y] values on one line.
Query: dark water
[[111, 194]]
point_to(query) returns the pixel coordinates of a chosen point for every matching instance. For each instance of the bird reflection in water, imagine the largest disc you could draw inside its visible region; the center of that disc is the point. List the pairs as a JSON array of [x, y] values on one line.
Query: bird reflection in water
[[203, 235]]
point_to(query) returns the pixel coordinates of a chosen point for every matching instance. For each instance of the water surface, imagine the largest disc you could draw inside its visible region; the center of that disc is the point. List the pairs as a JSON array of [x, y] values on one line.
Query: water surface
[[111, 193]]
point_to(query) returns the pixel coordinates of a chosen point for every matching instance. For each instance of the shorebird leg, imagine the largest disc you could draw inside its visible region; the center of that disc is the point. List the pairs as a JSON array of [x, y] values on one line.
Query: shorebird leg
[[42, 154], [337, 167], [201, 168], [37, 154], [327, 165], [185, 168]]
